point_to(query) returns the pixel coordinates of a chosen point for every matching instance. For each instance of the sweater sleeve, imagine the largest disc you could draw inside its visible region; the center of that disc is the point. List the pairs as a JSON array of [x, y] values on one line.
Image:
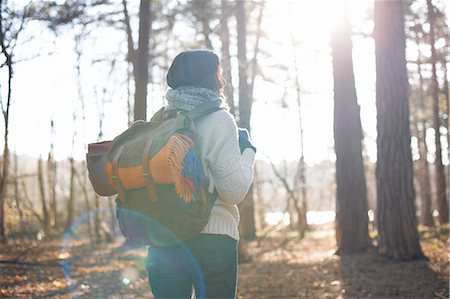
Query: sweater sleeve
[[231, 172]]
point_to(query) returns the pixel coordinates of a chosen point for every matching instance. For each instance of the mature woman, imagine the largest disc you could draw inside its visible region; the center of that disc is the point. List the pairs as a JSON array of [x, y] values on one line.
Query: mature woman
[[207, 262]]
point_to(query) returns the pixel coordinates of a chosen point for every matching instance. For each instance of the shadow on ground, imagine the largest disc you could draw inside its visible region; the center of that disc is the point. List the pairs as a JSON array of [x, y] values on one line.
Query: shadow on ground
[[280, 268]]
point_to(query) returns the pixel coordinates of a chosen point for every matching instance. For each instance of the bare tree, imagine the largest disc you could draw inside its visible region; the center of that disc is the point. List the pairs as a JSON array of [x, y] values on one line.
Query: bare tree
[[8, 40], [300, 178], [293, 198]]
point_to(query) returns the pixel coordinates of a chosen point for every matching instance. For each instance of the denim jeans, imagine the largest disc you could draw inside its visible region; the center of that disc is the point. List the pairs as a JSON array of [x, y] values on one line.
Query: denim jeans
[[207, 263]]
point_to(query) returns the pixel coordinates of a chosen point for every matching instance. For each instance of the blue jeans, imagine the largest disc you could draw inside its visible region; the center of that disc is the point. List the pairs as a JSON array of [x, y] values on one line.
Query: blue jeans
[[207, 263]]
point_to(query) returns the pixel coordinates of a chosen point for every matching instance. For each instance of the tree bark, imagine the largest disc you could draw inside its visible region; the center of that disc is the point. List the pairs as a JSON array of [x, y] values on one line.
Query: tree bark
[[300, 178], [71, 199], [130, 62], [352, 234], [44, 206], [17, 199], [439, 167], [247, 224], [5, 111], [141, 62], [259, 32], [226, 57], [202, 12], [423, 171], [245, 100], [397, 229], [51, 175]]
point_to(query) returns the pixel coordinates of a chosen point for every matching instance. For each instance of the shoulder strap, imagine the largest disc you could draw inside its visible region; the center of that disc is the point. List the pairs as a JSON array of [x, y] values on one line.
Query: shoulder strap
[[158, 116], [203, 109]]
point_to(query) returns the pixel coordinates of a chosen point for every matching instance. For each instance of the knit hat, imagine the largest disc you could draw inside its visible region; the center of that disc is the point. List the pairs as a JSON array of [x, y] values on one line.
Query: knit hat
[[199, 68]]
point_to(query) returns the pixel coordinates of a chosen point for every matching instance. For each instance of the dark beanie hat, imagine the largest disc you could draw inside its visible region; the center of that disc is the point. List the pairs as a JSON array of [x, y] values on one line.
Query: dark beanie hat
[[199, 68]]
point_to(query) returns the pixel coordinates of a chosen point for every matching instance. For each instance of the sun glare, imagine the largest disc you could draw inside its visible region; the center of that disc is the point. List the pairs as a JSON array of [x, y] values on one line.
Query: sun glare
[[300, 31], [292, 28]]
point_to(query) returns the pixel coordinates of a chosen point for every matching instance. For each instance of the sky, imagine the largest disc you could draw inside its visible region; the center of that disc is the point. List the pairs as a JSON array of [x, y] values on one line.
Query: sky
[[46, 87]]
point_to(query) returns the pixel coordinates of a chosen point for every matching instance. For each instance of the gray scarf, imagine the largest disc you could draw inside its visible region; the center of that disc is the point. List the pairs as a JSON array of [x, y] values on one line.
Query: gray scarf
[[187, 97]]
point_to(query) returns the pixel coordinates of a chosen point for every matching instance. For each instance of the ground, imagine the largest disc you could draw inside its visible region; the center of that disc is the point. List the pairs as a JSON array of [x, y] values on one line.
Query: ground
[[280, 268]]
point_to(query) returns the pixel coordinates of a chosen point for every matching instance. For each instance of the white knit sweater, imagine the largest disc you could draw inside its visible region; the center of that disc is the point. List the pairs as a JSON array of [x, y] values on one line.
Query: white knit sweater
[[229, 171]]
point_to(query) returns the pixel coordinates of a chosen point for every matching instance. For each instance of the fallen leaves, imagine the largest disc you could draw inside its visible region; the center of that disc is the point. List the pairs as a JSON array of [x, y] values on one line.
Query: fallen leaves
[[280, 268]]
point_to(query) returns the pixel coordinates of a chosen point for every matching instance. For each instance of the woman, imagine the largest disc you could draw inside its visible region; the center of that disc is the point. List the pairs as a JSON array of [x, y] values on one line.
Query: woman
[[207, 262]]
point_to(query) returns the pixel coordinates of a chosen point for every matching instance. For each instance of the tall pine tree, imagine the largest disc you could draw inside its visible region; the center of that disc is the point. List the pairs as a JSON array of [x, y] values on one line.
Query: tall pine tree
[[397, 231], [351, 196]]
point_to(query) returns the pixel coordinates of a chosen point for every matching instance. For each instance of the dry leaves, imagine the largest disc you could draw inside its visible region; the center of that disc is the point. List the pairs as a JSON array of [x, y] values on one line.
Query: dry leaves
[[280, 268]]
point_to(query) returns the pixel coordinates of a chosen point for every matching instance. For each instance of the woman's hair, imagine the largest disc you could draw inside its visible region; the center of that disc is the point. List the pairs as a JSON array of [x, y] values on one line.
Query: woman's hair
[[199, 68]]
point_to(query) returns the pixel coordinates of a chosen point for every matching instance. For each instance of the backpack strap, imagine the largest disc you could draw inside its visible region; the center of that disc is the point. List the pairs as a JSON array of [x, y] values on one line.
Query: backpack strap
[[115, 175], [203, 109], [149, 182], [159, 115], [199, 111]]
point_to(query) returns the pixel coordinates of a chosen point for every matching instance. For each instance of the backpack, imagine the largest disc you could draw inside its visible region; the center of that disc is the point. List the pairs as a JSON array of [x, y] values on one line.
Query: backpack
[[156, 169]]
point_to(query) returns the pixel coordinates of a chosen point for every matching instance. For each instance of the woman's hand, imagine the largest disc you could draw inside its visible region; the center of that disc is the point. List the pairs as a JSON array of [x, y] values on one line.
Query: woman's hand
[[244, 140]]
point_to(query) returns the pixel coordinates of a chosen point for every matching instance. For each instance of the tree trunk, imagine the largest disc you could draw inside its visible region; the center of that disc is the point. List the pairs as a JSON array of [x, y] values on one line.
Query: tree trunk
[[92, 231], [439, 167], [259, 32], [422, 172], [352, 234], [44, 206], [130, 60], [71, 199], [5, 111], [141, 62], [423, 169], [444, 62], [260, 223], [51, 175], [397, 231], [16, 194], [247, 224], [202, 11], [447, 100], [423, 176], [226, 58], [245, 100], [300, 178]]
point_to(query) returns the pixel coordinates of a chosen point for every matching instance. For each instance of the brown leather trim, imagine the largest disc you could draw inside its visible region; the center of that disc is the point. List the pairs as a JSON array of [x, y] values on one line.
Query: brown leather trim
[[149, 182], [115, 174]]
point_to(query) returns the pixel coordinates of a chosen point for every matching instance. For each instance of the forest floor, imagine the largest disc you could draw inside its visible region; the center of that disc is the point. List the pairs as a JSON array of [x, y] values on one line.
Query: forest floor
[[280, 268]]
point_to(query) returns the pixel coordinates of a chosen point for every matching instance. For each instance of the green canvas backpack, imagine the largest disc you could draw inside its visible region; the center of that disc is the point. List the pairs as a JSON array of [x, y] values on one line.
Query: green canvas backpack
[[155, 167]]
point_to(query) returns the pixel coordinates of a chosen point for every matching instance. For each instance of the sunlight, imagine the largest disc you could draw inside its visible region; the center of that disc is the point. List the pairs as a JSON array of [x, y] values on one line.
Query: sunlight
[[276, 218], [307, 38], [78, 69], [320, 217], [312, 218]]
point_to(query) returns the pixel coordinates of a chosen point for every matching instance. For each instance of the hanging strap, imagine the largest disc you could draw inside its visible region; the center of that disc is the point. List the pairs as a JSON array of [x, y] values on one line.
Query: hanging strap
[[199, 111], [149, 182], [115, 175]]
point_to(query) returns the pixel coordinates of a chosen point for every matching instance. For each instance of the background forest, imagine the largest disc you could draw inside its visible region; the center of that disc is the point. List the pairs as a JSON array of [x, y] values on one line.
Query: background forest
[[347, 102]]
